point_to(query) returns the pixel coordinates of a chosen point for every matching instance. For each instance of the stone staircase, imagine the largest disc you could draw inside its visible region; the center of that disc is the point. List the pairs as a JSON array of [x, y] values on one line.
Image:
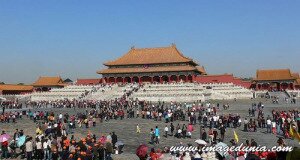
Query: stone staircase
[[280, 95]]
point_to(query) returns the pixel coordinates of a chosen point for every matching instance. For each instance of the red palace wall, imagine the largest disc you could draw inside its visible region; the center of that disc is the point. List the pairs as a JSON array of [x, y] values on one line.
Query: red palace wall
[[226, 78]]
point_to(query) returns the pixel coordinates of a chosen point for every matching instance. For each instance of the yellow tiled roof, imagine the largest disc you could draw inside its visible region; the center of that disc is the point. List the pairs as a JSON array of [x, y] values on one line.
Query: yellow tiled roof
[[14, 87], [151, 56], [49, 81], [274, 74]]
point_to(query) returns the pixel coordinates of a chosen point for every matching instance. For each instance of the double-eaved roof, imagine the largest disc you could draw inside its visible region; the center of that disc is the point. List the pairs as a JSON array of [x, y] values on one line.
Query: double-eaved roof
[[147, 60], [144, 56]]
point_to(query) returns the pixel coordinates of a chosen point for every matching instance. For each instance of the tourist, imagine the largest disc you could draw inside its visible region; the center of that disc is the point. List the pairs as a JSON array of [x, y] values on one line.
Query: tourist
[[190, 129], [166, 131], [114, 139], [215, 135], [39, 149], [246, 125], [269, 125], [152, 136], [210, 135], [109, 150], [184, 131], [138, 130], [29, 148], [172, 129], [222, 132], [157, 135], [204, 135], [4, 147]]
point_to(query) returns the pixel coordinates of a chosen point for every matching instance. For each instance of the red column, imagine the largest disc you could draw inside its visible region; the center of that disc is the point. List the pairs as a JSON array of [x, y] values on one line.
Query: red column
[[130, 79], [178, 80], [115, 79], [151, 79], [193, 78], [139, 79], [160, 79], [123, 80], [169, 78]]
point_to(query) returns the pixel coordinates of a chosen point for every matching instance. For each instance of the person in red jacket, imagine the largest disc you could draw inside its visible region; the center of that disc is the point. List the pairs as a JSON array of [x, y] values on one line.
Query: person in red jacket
[[4, 148]]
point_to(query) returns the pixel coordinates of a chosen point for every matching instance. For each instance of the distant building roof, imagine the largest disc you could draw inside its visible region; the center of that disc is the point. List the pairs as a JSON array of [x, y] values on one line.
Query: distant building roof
[[68, 80], [88, 81], [48, 81], [151, 56], [15, 87], [274, 74]]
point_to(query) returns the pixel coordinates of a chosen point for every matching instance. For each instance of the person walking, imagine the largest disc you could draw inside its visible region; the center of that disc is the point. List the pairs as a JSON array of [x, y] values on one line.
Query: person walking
[[138, 130], [172, 129], [222, 131], [269, 124], [29, 149], [157, 135], [152, 136], [39, 149], [4, 148], [246, 125], [114, 138], [166, 131], [190, 129]]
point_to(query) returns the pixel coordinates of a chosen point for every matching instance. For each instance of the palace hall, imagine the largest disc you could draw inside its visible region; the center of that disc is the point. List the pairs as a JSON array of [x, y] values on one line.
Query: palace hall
[[163, 64]]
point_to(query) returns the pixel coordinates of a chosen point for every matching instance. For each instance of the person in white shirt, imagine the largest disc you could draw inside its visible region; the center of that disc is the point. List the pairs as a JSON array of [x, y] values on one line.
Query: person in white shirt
[[166, 131], [179, 131], [29, 149], [46, 147], [39, 149], [274, 127], [60, 116]]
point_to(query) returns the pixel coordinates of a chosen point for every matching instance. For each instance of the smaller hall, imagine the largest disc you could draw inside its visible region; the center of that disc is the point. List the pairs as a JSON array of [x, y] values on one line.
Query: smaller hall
[[276, 80], [47, 83], [162, 64]]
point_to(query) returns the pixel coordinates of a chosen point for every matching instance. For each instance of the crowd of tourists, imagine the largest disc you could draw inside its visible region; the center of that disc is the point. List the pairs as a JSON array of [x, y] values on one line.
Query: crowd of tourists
[[180, 121], [51, 140]]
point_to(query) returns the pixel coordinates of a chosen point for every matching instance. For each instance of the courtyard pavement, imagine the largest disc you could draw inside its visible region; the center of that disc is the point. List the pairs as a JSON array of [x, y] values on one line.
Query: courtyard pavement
[[126, 128]]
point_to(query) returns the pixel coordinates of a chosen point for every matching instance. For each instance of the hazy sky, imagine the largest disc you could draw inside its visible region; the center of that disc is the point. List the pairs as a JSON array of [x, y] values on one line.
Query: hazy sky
[[73, 38]]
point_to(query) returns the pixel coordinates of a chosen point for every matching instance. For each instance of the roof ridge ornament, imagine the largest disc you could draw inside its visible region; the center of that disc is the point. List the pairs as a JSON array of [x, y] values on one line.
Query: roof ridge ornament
[[132, 47], [173, 45]]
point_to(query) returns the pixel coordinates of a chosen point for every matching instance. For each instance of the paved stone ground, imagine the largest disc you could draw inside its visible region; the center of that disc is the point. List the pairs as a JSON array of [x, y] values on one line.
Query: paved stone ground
[[126, 129]]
